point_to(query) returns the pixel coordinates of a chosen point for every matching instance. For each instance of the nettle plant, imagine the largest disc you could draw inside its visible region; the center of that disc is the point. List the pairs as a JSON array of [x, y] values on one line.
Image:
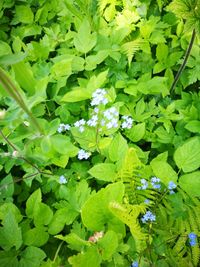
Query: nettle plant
[[99, 162]]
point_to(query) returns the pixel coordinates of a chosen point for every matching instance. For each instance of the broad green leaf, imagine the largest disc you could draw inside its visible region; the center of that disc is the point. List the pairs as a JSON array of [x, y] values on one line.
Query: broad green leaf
[[4, 49], [42, 214], [12, 59], [7, 187], [137, 132], [10, 206], [191, 183], [187, 156], [108, 244], [10, 233], [32, 257], [90, 257], [87, 139], [193, 126], [33, 202], [104, 171], [62, 68], [84, 40], [36, 237], [61, 217], [76, 95], [118, 148], [95, 212], [23, 14], [164, 171], [24, 76], [162, 52], [8, 258], [63, 145]]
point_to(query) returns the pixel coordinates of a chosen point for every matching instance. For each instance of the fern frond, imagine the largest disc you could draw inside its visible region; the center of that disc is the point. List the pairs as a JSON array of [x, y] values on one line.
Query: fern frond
[[196, 254], [128, 214], [180, 244], [130, 48]]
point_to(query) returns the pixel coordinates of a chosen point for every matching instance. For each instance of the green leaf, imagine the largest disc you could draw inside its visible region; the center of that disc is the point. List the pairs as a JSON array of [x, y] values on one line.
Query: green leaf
[[137, 132], [163, 170], [84, 41], [32, 257], [24, 76], [76, 95], [74, 241], [61, 217], [63, 145], [118, 148], [187, 156], [162, 52], [193, 126], [191, 183], [10, 206], [104, 172], [42, 214], [36, 237], [108, 244], [62, 68], [10, 233], [86, 259], [23, 14], [4, 49], [95, 212], [33, 202], [7, 185], [8, 258]]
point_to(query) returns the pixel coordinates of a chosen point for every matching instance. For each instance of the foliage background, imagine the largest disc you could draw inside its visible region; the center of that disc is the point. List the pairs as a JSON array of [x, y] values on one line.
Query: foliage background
[[57, 53]]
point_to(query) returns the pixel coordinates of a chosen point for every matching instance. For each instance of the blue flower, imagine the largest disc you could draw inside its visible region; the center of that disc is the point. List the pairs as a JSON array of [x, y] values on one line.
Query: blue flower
[[193, 242], [171, 185], [135, 264], [62, 179], [192, 235]]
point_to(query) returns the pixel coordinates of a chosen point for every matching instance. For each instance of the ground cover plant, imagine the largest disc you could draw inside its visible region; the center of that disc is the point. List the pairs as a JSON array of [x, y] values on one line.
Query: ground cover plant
[[99, 134]]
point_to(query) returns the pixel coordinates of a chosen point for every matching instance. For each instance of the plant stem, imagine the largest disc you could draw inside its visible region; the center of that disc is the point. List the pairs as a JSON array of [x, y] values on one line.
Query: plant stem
[[57, 251], [184, 61]]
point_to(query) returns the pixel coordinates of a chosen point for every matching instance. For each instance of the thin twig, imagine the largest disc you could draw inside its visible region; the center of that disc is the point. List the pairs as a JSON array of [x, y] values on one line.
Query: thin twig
[[184, 61]]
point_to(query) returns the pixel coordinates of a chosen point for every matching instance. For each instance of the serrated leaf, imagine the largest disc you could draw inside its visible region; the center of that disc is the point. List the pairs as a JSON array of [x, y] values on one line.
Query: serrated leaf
[[187, 156], [32, 257], [193, 126], [90, 257], [95, 213], [10, 233], [42, 214], [84, 41], [108, 244], [36, 237]]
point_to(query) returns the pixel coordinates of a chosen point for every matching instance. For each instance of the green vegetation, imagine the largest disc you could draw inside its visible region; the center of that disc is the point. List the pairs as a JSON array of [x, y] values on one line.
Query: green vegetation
[[99, 133]]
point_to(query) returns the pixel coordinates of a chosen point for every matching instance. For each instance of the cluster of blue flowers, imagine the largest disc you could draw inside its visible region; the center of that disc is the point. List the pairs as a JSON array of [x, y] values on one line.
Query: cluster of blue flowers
[[148, 217], [127, 122], [192, 239], [144, 185], [155, 182], [82, 154], [63, 127], [99, 97], [171, 186]]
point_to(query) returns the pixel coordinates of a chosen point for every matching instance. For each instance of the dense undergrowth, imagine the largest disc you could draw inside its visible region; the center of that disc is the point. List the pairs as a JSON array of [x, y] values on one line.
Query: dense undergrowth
[[99, 160]]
